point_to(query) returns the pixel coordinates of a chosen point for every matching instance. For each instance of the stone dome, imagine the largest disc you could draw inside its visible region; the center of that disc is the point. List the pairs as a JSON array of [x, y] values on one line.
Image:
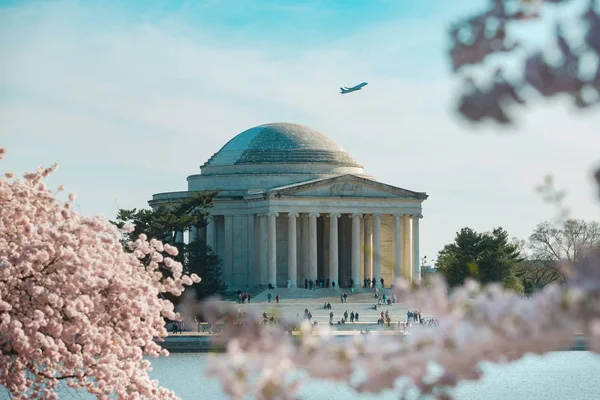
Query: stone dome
[[281, 143]]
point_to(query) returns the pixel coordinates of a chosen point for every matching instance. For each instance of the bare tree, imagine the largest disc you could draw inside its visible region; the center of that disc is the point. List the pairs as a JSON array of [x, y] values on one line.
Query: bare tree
[[549, 245], [564, 243], [537, 274]]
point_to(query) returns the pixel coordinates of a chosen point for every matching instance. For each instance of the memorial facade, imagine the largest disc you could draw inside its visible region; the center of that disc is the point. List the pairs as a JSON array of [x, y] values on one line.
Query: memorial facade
[[294, 205]]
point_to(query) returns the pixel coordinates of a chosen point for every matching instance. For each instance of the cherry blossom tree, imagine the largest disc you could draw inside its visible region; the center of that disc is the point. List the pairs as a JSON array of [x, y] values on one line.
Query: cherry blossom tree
[[74, 306]]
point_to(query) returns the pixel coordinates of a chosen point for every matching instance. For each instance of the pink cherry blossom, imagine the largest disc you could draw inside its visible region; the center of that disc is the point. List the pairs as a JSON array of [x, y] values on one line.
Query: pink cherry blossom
[[74, 305], [474, 324], [487, 35]]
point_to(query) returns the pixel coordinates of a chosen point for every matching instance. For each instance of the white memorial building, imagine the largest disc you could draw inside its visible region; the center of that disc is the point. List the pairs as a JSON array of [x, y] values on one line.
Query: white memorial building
[[293, 204]]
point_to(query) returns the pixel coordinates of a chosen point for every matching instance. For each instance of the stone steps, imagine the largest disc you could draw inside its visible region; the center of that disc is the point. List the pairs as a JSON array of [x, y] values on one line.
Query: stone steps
[[321, 315], [325, 295]]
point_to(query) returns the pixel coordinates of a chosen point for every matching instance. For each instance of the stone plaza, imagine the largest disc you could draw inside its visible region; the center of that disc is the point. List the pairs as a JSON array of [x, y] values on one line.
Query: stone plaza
[[294, 205]]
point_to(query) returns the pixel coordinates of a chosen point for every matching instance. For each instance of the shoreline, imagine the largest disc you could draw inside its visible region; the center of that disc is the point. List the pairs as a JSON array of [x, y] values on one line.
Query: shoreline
[[192, 342]]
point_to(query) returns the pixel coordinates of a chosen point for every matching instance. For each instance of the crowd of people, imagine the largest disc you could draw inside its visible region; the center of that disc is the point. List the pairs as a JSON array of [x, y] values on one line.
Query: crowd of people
[[414, 316], [243, 297], [371, 282], [353, 317], [382, 299], [318, 283]]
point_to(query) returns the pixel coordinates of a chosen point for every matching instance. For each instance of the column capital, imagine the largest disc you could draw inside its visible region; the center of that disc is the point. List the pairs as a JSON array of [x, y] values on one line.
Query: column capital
[[417, 216], [210, 217], [356, 215], [334, 215], [313, 214], [274, 214], [398, 216], [377, 215], [293, 214]]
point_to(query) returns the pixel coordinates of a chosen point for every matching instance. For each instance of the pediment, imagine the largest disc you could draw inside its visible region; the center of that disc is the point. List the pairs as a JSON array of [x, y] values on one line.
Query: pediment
[[345, 186]]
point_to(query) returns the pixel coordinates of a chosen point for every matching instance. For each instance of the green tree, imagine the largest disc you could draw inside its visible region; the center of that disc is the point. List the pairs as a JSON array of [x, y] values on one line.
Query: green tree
[[487, 257], [165, 221]]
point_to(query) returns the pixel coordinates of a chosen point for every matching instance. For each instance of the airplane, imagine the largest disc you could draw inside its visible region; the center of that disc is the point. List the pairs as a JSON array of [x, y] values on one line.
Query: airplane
[[345, 90]]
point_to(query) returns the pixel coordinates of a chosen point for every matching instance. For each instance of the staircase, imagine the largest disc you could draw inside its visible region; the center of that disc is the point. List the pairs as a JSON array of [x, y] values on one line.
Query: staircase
[[324, 295]]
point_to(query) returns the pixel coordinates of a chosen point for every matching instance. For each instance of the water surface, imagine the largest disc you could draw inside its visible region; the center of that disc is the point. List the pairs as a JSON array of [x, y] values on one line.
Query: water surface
[[555, 376]]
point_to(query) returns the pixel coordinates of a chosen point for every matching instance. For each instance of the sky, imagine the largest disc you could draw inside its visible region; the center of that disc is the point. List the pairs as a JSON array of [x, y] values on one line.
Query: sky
[[132, 97]]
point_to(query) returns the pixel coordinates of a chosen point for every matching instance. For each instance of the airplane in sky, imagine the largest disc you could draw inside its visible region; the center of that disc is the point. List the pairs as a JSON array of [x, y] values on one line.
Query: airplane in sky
[[345, 90]]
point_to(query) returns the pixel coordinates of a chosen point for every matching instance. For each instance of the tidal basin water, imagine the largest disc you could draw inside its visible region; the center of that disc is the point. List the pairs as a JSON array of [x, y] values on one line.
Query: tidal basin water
[[556, 376], [572, 375]]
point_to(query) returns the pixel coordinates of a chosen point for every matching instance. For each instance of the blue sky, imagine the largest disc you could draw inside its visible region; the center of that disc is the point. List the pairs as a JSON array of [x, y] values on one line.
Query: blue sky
[[131, 97]]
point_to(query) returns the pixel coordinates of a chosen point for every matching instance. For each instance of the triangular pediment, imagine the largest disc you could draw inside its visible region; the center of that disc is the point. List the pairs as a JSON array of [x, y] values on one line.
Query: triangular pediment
[[345, 186]]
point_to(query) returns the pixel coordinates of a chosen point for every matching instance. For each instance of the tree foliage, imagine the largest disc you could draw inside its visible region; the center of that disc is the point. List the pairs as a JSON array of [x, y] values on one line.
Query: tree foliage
[[486, 257], [74, 306], [166, 221]]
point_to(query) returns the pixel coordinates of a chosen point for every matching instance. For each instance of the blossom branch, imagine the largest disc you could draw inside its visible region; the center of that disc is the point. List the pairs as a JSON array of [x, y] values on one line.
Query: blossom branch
[[475, 324], [475, 39], [74, 305]]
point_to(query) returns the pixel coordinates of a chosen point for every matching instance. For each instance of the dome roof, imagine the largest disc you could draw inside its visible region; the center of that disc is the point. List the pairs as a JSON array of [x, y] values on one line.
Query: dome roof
[[281, 143]]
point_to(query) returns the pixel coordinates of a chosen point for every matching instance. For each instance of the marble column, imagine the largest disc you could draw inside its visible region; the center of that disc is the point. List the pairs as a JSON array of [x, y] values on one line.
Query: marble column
[[193, 234], [251, 265], [272, 235], [356, 248], [292, 249], [312, 246], [333, 248], [368, 254], [228, 256], [406, 250], [210, 232], [178, 237], [377, 248], [262, 255], [362, 252], [415, 244], [398, 247], [304, 270]]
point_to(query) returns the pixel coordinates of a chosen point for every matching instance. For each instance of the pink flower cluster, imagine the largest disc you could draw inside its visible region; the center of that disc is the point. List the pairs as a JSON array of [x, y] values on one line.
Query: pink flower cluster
[[475, 324], [74, 305]]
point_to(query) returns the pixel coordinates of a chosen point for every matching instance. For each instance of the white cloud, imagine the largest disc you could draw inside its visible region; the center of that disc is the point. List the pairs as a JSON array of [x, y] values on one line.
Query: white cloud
[[131, 110]]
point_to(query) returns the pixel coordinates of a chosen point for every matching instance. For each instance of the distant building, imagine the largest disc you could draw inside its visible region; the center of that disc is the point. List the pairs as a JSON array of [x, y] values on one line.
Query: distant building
[[294, 204]]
